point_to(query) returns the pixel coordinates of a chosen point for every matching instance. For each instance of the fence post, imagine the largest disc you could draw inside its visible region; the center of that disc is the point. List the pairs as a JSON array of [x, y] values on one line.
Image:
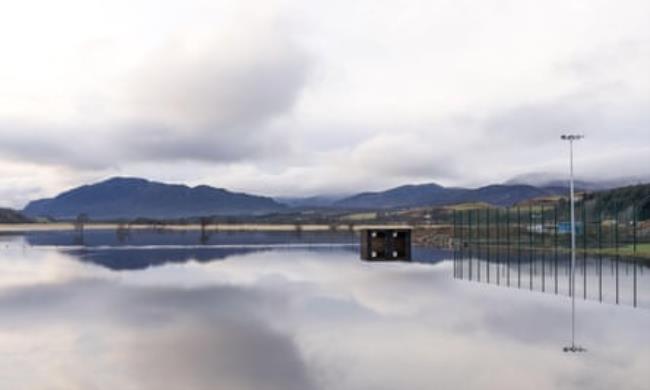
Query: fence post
[[555, 245], [518, 247], [453, 225], [532, 266], [478, 230], [508, 245], [508, 226], [600, 231], [487, 233], [634, 216], [543, 229], [462, 228], [584, 225], [530, 227], [543, 255], [617, 232], [612, 232], [497, 222], [585, 229], [487, 243], [470, 239], [555, 227]]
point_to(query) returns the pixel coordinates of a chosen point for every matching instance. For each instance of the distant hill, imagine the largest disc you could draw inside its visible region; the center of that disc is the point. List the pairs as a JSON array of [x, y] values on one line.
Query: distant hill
[[319, 201], [434, 195], [403, 196], [12, 216], [132, 198], [547, 179], [621, 199]]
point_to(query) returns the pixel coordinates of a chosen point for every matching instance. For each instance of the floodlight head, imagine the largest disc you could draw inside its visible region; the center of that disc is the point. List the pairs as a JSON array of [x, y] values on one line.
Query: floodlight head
[[572, 137]]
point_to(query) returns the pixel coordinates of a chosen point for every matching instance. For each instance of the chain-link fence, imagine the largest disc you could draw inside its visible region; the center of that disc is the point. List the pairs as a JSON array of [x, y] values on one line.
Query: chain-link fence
[[607, 229]]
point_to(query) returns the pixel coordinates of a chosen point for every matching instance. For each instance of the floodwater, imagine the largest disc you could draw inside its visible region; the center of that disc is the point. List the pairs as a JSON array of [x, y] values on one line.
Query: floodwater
[[148, 310]]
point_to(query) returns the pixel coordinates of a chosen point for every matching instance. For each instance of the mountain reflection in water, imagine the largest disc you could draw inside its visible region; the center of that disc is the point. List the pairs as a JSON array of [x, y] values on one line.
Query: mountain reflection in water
[[290, 313]]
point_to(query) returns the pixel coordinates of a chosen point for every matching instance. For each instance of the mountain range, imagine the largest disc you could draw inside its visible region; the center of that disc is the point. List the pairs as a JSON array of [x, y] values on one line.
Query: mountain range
[[549, 179], [437, 195], [129, 198], [139, 198]]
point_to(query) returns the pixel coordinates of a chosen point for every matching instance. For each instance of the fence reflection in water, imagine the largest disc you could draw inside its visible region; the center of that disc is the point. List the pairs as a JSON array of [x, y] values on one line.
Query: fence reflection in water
[[607, 279]]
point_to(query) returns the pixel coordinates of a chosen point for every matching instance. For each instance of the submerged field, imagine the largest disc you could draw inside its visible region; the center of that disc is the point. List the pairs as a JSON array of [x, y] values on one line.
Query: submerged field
[[299, 310]]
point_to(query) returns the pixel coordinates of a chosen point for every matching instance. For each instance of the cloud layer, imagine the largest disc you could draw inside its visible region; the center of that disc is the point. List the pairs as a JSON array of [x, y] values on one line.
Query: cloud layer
[[288, 98]]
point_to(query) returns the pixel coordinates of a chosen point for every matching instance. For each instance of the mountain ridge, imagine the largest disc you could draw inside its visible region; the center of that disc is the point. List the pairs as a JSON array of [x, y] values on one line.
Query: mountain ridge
[[550, 179], [128, 197], [432, 194]]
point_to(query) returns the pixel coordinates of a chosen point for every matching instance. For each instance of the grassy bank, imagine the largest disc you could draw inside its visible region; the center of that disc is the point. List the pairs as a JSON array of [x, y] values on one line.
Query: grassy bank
[[642, 250]]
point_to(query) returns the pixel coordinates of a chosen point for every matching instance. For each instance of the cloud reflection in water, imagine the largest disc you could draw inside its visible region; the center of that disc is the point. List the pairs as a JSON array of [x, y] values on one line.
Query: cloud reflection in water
[[300, 319]]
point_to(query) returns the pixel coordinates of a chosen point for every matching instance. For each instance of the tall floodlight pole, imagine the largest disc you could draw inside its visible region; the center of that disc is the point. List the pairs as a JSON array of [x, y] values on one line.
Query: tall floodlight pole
[[573, 347]]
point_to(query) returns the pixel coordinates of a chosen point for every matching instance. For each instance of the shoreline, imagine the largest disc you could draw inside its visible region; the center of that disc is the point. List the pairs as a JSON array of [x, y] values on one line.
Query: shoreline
[[251, 227]]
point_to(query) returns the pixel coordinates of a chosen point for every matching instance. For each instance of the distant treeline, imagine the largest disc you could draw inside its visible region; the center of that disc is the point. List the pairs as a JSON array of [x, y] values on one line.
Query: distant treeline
[[12, 216], [635, 198]]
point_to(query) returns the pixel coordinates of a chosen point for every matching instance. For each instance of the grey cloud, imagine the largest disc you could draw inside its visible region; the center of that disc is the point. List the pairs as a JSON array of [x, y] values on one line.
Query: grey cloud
[[11, 195], [221, 86], [56, 145], [288, 102], [228, 354], [216, 106], [166, 337], [594, 111], [610, 60], [526, 138], [210, 338]]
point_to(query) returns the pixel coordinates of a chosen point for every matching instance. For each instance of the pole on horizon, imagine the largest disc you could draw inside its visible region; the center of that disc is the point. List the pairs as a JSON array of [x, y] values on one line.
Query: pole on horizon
[[573, 347]]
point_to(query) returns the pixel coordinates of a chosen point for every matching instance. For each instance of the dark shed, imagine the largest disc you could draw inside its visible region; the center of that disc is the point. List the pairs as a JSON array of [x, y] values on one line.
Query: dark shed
[[384, 244]]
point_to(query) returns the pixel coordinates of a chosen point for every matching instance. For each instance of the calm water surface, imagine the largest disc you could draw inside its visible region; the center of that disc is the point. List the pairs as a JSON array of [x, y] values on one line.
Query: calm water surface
[[287, 311]]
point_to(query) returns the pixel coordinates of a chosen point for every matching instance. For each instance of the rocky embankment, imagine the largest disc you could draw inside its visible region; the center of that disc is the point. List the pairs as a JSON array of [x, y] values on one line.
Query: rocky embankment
[[438, 236]]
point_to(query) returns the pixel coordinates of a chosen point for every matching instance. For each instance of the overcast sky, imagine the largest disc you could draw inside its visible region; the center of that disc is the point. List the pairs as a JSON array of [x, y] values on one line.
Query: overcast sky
[[311, 97]]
